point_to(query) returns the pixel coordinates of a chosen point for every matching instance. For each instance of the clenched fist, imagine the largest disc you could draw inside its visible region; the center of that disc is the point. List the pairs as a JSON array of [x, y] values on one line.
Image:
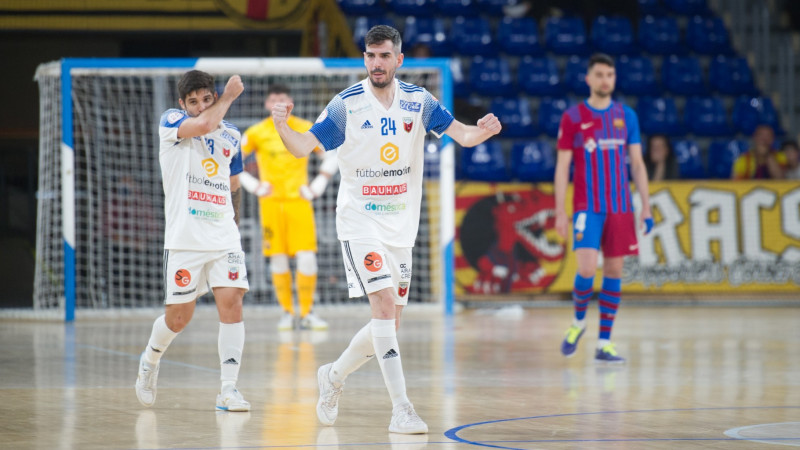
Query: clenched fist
[[234, 87], [490, 123], [280, 112]]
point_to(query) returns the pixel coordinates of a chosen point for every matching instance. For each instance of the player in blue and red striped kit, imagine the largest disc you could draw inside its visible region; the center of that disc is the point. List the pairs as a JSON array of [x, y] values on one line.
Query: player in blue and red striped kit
[[597, 134]]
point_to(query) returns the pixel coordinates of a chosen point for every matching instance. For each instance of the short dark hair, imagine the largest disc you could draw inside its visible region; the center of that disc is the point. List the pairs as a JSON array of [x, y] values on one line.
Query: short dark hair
[[278, 88], [600, 58], [790, 143], [195, 80], [380, 33]]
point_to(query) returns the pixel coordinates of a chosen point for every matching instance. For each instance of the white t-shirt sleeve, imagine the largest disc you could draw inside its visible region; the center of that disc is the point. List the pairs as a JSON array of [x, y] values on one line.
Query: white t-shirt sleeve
[[170, 122], [331, 124], [435, 117]]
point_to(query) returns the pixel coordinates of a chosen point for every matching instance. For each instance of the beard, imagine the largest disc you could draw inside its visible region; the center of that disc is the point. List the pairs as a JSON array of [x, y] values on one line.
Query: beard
[[388, 80]]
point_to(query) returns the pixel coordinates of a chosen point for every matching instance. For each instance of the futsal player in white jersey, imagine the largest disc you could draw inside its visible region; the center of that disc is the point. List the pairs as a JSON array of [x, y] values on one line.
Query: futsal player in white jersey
[[378, 126], [200, 159]]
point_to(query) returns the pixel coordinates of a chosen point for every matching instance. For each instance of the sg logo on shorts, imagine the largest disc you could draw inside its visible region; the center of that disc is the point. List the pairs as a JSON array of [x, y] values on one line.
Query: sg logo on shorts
[[183, 277], [373, 262]]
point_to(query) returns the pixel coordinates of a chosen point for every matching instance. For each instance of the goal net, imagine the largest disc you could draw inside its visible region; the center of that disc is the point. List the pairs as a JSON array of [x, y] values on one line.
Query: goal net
[[100, 223]]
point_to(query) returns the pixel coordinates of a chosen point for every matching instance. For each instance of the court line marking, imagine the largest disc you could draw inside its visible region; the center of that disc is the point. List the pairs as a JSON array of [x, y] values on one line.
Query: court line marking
[[136, 357], [453, 432], [734, 433]]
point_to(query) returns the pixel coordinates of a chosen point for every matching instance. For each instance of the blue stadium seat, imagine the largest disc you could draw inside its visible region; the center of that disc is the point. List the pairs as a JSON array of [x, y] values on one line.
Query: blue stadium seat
[[566, 36], [515, 115], [361, 7], [636, 76], [722, 154], [539, 76], [708, 36], [456, 8], [690, 160], [749, 112], [659, 116], [533, 161], [495, 7], [613, 35], [731, 76], [484, 162], [412, 8], [491, 76], [705, 116], [575, 75], [429, 31], [688, 7], [363, 24], [682, 75], [660, 36], [519, 37], [473, 36], [651, 7], [550, 111]]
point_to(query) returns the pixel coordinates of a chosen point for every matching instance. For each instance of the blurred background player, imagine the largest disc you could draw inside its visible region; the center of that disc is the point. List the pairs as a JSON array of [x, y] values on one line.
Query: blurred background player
[[200, 165], [597, 134], [378, 126], [287, 215]]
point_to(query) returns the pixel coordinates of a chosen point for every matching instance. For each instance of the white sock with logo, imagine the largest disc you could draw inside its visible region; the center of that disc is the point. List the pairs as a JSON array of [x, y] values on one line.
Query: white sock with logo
[[354, 356], [230, 345], [384, 340], [160, 338]]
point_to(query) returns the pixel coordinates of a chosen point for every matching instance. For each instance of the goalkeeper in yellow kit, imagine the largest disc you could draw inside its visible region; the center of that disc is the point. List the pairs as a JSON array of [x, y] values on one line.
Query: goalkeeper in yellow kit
[[287, 216]]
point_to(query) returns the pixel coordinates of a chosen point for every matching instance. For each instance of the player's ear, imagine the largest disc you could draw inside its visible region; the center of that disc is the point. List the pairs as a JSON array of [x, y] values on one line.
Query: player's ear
[[180, 102], [400, 58]]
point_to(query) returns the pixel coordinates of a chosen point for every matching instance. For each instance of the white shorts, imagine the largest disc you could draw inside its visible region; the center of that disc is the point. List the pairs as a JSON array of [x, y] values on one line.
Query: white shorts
[[372, 265], [190, 274]]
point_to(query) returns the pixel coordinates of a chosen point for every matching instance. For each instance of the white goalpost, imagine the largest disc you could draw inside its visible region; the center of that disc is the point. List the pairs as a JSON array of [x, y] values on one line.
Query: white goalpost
[[100, 217]]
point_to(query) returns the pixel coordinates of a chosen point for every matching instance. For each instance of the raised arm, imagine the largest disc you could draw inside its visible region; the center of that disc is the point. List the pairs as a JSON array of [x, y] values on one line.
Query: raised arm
[[209, 120], [298, 144], [472, 135]]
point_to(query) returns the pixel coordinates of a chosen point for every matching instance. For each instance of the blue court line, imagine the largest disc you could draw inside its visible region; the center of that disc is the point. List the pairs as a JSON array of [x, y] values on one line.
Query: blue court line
[[136, 357], [453, 432]]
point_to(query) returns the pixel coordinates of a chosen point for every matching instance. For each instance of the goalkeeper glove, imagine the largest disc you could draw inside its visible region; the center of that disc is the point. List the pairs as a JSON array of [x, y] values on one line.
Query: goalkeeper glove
[[315, 189]]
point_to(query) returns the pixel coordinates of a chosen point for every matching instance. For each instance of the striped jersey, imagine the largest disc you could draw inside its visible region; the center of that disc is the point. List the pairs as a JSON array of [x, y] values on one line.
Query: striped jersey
[[196, 175], [380, 155], [599, 140]]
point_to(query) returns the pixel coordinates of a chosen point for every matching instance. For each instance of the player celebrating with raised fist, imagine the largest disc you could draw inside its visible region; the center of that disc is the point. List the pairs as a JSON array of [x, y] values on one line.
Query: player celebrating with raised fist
[[287, 216], [598, 134], [378, 126], [200, 161]]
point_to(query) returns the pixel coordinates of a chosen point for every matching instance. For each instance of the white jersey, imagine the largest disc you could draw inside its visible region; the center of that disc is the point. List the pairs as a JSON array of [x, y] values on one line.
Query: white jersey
[[380, 158], [196, 175]]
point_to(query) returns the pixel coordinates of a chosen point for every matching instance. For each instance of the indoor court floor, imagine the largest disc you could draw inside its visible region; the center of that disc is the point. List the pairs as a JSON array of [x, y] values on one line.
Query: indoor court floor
[[721, 377]]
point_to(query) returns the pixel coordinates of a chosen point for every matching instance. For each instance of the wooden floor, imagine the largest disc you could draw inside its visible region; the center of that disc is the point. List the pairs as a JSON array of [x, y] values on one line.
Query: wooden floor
[[697, 377]]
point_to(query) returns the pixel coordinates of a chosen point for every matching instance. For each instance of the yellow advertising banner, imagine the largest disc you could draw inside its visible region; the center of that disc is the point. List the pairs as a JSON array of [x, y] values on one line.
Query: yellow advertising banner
[[709, 237]]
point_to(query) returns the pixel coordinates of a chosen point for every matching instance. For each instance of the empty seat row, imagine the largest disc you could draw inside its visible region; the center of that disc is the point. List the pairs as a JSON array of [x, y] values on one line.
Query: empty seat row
[[535, 160], [706, 116], [562, 35], [540, 76], [424, 8]]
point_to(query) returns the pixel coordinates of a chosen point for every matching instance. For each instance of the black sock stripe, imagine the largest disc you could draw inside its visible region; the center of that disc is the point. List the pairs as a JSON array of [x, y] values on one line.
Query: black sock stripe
[[164, 270], [349, 256]]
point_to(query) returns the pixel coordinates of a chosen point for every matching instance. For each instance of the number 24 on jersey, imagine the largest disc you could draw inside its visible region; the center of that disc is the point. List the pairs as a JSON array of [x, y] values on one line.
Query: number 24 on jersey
[[387, 125]]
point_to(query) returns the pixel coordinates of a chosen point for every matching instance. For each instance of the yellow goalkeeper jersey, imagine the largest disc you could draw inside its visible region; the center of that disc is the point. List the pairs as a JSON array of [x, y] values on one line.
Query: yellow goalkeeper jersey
[[276, 165]]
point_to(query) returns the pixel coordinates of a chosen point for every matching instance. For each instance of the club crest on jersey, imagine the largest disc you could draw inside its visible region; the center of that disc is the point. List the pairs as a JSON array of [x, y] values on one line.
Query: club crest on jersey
[[366, 125], [619, 123], [233, 273], [590, 145], [408, 122], [226, 152], [373, 262], [402, 290]]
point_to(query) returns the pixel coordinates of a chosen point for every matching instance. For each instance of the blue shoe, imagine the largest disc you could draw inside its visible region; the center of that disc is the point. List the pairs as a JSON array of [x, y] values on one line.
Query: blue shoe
[[570, 343], [608, 354]]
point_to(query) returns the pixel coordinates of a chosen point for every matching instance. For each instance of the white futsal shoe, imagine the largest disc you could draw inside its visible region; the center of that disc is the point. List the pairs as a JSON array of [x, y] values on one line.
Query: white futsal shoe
[[146, 382], [406, 421], [312, 322], [232, 400], [286, 322], [329, 393]]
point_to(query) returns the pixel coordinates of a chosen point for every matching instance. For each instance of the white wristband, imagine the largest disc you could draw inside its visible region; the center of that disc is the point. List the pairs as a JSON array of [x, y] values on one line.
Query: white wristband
[[318, 185]]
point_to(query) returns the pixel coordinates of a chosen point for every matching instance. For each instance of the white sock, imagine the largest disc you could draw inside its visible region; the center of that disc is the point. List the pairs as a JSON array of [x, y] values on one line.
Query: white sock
[[602, 343], [579, 323], [354, 356], [230, 344], [384, 340], [160, 338]]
